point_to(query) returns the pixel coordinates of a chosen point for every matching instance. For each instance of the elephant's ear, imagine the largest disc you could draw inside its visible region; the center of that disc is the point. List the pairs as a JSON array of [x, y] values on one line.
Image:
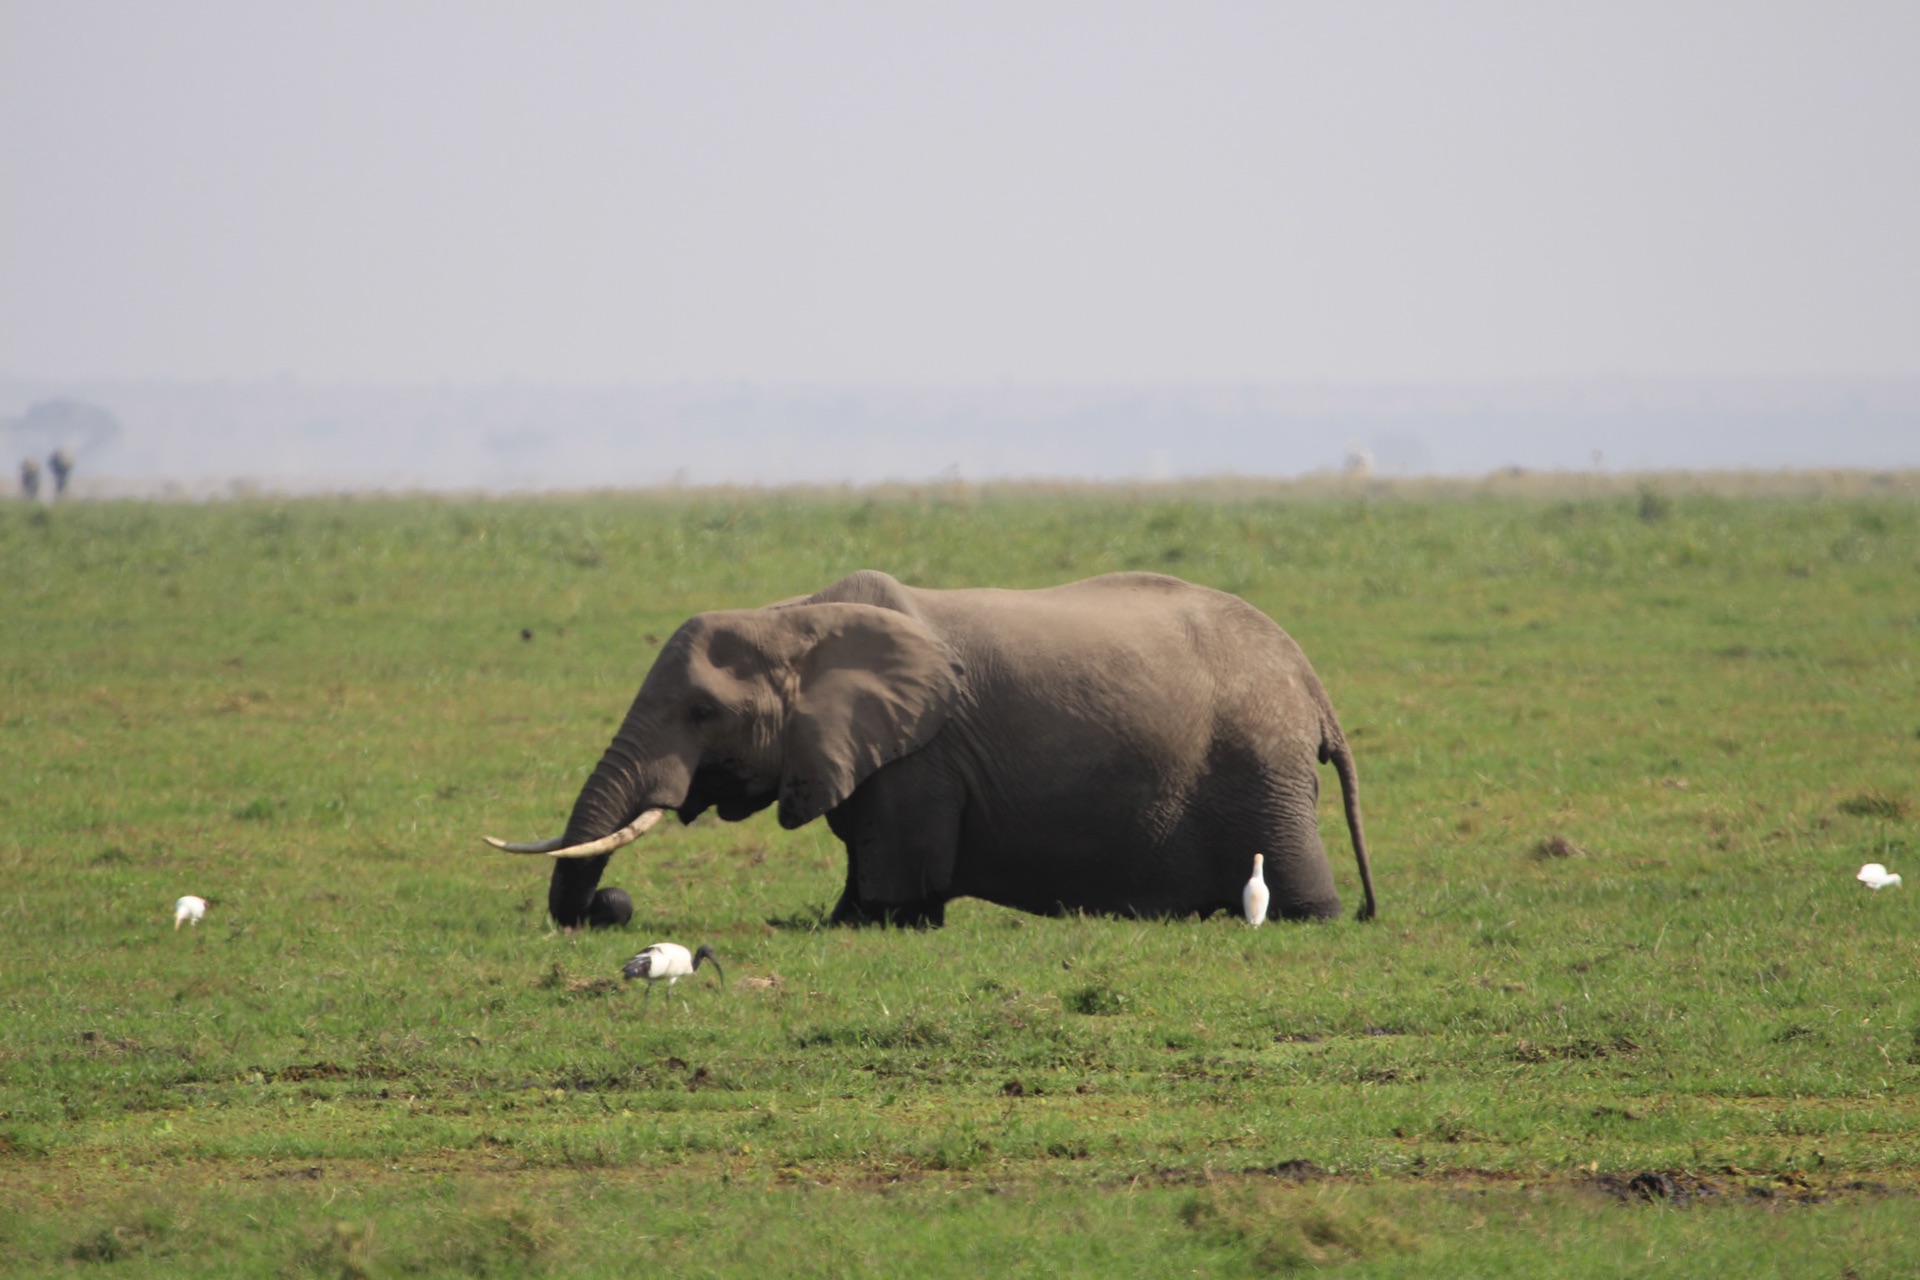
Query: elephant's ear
[[872, 686]]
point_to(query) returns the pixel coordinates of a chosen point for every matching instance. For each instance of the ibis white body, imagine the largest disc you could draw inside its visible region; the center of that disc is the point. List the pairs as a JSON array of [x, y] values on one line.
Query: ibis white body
[[188, 910], [1876, 877], [1254, 898], [671, 962]]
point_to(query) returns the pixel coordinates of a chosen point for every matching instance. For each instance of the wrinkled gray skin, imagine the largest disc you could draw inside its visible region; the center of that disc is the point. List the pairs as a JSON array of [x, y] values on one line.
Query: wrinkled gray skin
[[1121, 745]]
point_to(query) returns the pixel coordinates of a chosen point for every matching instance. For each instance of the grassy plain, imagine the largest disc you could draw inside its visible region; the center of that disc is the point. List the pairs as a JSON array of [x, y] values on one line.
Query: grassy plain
[[1625, 1011]]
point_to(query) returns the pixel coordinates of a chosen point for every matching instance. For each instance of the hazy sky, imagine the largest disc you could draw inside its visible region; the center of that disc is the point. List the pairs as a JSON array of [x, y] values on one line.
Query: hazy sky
[[958, 193]]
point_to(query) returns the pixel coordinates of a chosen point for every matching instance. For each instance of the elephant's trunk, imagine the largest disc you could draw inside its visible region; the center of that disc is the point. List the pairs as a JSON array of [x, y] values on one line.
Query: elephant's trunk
[[622, 799]]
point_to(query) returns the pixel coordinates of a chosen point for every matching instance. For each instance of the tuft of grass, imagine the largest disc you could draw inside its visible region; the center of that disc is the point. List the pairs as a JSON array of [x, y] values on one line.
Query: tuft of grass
[[340, 1248], [144, 1233], [1096, 1001], [1281, 1232], [1877, 804], [259, 809]]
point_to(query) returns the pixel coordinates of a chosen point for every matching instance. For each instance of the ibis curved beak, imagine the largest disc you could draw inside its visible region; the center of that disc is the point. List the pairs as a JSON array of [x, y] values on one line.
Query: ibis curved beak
[[592, 848], [706, 953]]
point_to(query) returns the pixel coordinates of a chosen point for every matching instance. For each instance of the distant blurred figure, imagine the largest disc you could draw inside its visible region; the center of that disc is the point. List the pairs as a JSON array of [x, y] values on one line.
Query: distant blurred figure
[[61, 464], [30, 478]]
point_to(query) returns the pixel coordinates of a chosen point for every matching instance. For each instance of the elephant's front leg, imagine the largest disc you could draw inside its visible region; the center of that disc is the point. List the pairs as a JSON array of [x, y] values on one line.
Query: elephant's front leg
[[847, 911], [902, 833]]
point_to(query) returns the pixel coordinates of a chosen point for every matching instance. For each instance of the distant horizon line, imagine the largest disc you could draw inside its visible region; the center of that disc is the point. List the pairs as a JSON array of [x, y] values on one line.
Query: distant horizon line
[[878, 383], [1510, 481], [1896, 393]]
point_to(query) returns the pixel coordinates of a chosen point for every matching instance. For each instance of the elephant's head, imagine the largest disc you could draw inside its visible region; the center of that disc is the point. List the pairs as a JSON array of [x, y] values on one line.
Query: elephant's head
[[796, 704]]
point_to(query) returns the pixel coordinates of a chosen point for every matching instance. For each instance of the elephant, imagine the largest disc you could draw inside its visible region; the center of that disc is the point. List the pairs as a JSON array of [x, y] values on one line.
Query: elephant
[[1123, 745]]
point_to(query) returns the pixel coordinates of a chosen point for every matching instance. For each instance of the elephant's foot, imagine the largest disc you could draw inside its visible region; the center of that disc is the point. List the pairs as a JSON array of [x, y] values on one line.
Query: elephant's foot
[[850, 912], [847, 910], [610, 909]]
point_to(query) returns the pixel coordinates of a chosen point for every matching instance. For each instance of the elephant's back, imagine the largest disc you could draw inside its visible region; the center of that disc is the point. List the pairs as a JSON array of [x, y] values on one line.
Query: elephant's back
[[1139, 675], [1127, 604], [1147, 620], [1150, 655]]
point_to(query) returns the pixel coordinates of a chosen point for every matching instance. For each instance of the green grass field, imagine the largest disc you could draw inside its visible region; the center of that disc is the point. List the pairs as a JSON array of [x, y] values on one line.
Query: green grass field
[[1626, 1010]]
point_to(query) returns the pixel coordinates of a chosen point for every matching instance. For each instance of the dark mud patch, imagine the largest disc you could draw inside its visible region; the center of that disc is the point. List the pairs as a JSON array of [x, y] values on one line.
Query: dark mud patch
[[1289, 1171], [1574, 1050]]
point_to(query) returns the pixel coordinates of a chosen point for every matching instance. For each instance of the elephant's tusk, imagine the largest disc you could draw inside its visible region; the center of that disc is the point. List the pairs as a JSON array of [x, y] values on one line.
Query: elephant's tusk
[[538, 846], [605, 844]]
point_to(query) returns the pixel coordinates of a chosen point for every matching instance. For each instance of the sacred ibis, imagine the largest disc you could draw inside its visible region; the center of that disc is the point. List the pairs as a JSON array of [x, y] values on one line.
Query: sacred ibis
[[1253, 898], [188, 910], [669, 960]]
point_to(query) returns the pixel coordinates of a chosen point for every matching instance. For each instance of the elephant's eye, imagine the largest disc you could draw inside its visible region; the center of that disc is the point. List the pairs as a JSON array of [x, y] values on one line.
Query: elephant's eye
[[701, 712]]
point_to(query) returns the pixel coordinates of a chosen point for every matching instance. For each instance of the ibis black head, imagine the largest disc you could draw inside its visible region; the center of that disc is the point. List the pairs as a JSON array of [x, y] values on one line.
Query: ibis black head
[[706, 953]]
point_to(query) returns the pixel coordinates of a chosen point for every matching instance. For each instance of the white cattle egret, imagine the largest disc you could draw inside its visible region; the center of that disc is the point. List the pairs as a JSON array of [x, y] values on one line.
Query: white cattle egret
[[1253, 898], [1876, 877], [671, 961], [188, 911]]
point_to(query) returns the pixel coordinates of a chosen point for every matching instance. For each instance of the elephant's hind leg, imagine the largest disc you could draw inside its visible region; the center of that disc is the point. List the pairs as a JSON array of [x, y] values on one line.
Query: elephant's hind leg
[[1297, 871], [1259, 804], [1298, 874]]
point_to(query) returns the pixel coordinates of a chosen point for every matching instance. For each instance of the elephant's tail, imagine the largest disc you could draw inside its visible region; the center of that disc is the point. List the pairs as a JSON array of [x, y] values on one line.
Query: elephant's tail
[[1333, 746]]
